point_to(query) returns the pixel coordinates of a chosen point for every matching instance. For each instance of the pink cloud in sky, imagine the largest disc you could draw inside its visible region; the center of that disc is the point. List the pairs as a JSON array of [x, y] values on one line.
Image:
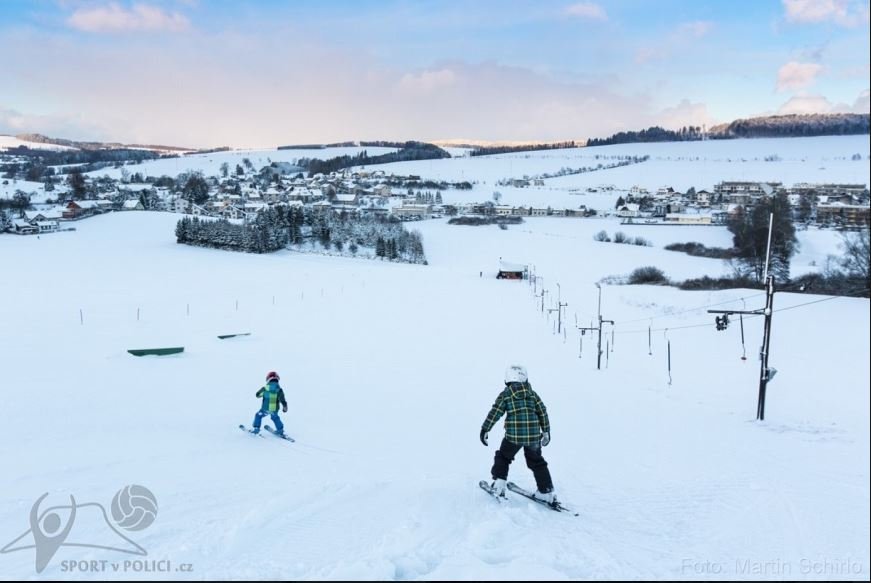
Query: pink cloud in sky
[[795, 75], [841, 12], [114, 18]]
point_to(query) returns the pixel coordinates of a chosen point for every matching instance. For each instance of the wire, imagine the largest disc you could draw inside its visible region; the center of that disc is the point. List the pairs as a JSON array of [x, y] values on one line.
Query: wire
[[809, 303], [689, 310]]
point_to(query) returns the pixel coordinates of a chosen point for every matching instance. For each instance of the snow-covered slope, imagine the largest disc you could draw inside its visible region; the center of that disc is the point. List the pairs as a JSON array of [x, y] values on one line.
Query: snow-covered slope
[[390, 370], [210, 164], [680, 165], [7, 142]]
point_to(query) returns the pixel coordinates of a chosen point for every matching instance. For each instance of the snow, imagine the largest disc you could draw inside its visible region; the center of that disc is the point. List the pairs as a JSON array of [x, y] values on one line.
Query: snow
[[389, 371], [210, 164], [7, 142], [680, 165]]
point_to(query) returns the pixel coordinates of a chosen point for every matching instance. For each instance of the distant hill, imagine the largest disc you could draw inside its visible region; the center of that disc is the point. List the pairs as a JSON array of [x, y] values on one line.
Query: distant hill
[[41, 139], [791, 126], [773, 126]]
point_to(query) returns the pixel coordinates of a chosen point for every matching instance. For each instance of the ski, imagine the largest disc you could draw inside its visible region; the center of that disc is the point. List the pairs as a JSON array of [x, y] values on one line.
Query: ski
[[558, 507], [489, 489], [249, 431], [282, 436]]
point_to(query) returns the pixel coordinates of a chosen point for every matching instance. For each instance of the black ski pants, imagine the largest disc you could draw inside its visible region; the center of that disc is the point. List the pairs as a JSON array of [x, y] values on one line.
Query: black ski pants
[[505, 455]]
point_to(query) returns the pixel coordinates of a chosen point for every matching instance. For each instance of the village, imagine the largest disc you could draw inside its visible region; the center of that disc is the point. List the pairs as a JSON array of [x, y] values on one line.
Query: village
[[238, 195], [844, 206]]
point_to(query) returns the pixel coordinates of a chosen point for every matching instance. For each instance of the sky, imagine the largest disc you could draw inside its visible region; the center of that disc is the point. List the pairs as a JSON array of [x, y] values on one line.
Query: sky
[[208, 73]]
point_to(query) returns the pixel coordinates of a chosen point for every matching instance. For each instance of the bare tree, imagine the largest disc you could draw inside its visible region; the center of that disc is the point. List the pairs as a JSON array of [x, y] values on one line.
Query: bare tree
[[856, 255]]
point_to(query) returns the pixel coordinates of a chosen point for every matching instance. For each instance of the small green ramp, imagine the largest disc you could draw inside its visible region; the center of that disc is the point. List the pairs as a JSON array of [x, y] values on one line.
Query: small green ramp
[[155, 351], [225, 336]]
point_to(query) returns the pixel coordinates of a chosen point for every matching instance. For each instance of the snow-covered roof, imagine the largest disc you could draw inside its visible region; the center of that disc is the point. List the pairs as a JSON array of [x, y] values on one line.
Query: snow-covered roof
[[514, 267]]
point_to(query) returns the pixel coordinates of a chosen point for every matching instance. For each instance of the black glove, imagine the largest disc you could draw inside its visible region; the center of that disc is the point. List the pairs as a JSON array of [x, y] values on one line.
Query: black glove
[[483, 437], [545, 438], [284, 408]]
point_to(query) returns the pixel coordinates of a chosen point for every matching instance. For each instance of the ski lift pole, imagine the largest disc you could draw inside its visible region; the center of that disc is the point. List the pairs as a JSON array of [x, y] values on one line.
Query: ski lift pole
[[765, 373], [649, 341], [668, 344], [743, 346]]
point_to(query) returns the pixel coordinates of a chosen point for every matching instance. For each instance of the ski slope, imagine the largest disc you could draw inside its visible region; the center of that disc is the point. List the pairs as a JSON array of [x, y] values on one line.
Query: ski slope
[[389, 371]]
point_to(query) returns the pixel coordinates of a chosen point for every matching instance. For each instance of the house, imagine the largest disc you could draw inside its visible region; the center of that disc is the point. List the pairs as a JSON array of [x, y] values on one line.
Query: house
[[231, 211], [538, 212], [23, 227], [46, 226], [503, 211], [512, 271], [52, 214], [413, 211], [322, 206], [199, 211], [687, 219], [629, 210], [847, 215], [180, 205], [704, 198], [77, 209], [133, 205]]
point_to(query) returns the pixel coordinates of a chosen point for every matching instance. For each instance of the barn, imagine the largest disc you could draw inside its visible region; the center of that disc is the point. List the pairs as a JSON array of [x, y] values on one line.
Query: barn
[[512, 271]]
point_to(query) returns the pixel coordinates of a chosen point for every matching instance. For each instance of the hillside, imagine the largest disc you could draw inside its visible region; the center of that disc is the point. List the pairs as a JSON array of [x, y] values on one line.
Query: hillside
[[390, 370]]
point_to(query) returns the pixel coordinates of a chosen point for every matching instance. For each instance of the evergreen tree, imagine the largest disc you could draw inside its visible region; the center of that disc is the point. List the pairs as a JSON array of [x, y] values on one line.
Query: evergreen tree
[[750, 237], [77, 184]]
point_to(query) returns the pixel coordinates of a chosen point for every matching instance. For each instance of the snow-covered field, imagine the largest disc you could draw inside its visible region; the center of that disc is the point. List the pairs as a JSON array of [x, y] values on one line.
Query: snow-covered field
[[390, 370], [210, 164], [680, 165], [7, 142]]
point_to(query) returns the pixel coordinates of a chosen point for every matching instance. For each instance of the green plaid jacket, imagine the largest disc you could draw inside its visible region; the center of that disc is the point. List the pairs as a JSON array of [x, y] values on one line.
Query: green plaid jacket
[[527, 415]]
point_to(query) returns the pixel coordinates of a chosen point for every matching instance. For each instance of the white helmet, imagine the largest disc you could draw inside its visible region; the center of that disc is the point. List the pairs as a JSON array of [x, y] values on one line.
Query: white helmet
[[515, 374]]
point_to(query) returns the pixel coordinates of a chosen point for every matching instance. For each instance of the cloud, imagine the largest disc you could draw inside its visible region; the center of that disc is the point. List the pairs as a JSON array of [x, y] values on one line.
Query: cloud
[[683, 114], [426, 81], [71, 126], [586, 10], [114, 18], [807, 103], [863, 102], [841, 12], [696, 28], [795, 75], [804, 104], [242, 90], [679, 38]]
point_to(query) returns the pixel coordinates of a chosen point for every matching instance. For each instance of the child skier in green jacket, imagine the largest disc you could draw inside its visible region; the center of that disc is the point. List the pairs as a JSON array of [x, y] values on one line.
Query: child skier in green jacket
[[526, 426], [273, 396]]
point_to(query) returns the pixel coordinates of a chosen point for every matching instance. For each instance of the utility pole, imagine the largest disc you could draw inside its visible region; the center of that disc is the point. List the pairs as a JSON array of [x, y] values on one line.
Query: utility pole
[[601, 321], [766, 373], [559, 310], [543, 293]]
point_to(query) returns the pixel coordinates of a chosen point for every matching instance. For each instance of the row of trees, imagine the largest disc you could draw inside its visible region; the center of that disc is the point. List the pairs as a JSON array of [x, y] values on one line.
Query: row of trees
[[410, 151], [491, 150], [279, 227], [653, 134], [774, 126]]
